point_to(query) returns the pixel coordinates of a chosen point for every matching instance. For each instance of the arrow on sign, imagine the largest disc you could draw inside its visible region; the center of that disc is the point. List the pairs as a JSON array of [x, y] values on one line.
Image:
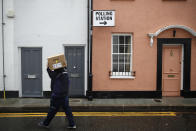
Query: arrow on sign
[[103, 22]]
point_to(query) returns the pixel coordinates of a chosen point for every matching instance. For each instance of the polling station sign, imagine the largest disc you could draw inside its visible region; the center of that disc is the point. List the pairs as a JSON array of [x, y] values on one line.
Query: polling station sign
[[104, 18]]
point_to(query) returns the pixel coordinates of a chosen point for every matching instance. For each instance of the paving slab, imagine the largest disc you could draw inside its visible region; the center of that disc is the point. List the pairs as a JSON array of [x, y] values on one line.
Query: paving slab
[[119, 105]]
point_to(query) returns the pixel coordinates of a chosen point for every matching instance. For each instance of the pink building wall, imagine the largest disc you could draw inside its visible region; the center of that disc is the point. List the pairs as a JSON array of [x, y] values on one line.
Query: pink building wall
[[140, 17]]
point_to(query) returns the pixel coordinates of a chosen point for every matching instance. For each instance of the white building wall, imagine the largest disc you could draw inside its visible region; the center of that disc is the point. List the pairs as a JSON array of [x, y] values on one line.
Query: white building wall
[[1, 52], [49, 24], [9, 47]]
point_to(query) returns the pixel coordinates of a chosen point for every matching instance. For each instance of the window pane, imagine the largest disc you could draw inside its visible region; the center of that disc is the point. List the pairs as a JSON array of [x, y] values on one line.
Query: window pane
[[127, 48], [115, 48], [121, 40], [121, 54], [121, 48], [115, 58], [115, 39], [127, 67], [121, 67], [127, 39], [115, 68], [127, 59], [121, 58]]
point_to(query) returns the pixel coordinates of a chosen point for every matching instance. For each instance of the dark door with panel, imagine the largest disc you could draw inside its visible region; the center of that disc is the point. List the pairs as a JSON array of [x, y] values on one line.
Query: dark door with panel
[[75, 65], [31, 61]]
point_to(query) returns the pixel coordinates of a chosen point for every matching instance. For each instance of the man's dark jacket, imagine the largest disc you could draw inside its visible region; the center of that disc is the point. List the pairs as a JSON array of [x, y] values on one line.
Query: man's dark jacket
[[59, 82]]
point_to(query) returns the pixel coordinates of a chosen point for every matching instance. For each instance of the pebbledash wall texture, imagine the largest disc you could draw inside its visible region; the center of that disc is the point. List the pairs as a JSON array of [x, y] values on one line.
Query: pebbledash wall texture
[[127, 59]]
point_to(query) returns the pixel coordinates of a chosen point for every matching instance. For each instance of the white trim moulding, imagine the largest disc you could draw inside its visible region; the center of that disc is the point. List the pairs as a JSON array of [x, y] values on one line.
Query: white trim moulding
[[152, 35]]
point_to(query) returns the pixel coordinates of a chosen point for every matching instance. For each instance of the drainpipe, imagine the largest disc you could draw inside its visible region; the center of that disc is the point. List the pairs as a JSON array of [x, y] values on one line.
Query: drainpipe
[[90, 30], [3, 52]]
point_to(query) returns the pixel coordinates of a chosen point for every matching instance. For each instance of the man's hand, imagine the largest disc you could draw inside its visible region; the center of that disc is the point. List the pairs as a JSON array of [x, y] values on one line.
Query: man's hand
[[47, 64]]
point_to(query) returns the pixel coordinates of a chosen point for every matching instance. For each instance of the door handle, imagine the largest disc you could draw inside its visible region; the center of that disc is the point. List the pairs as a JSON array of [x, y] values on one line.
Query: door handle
[[171, 76], [31, 76], [74, 75]]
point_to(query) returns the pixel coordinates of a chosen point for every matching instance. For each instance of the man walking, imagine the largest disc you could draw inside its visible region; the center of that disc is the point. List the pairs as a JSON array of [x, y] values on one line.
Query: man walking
[[59, 97]]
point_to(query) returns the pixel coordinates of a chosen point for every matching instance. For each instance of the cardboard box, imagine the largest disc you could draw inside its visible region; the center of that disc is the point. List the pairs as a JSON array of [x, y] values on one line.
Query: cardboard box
[[57, 62]]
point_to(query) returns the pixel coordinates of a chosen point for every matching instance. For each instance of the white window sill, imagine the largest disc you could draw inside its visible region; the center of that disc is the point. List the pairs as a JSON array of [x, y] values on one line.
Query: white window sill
[[122, 77]]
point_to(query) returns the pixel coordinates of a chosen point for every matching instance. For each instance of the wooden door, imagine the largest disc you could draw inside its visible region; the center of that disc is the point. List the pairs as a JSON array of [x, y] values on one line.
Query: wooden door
[[171, 76]]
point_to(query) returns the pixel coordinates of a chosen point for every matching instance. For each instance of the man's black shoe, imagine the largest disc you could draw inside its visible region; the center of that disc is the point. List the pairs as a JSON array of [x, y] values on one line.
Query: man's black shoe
[[41, 124], [71, 127]]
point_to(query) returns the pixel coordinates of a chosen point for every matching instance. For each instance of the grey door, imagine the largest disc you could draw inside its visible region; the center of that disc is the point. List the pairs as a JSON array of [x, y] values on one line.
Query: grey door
[[31, 61], [75, 65]]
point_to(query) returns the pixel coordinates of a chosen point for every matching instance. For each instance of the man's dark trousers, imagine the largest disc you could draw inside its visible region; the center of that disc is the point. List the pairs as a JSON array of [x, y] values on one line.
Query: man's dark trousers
[[55, 104]]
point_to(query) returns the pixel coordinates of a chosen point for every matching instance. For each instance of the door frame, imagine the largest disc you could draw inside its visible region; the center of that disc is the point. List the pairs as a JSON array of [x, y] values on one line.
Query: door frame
[[186, 43], [85, 63]]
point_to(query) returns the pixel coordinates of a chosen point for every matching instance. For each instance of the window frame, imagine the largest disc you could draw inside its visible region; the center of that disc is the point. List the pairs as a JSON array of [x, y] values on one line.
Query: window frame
[[122, 75]]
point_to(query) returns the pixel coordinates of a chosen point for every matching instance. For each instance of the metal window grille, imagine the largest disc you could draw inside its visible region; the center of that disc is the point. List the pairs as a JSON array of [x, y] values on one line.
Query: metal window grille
[[132, 73]]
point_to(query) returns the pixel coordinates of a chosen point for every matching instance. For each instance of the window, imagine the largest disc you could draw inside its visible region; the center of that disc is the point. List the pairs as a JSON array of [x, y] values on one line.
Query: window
[[174, 0], [122, 0], [121, 56]]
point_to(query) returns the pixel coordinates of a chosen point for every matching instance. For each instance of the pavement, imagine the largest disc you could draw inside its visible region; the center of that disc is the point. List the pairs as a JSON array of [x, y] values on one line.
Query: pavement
[[178, 104]]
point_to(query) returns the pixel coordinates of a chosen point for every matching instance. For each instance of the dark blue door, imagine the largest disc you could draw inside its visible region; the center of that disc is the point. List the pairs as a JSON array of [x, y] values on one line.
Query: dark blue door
[[31, 61], [75, 64]]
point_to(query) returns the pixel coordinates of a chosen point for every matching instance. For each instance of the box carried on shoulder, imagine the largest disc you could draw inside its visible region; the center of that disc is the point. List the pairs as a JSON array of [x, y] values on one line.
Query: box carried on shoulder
[[57, 62]]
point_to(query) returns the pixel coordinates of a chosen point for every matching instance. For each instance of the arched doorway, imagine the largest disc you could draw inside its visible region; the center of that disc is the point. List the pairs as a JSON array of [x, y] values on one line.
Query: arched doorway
[[173, 68], [173, 59]]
